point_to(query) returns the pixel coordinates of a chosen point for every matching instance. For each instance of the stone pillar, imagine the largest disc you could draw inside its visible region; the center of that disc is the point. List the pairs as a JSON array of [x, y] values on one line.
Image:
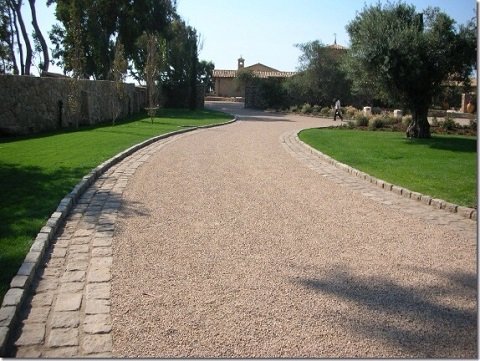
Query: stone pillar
[[367, 111], [463, 106]]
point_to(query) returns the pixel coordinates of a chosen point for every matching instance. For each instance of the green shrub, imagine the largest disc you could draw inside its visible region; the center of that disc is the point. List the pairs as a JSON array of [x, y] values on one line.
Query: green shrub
[[325, 111], [391, 120], [294, 108], [376, 110], [361, 120], [316, 109], [435, 121], [448, 124], [399, 127], [376, 122], [306, 108], [406, 120], [351, 124], [350, 112], [473, 124]]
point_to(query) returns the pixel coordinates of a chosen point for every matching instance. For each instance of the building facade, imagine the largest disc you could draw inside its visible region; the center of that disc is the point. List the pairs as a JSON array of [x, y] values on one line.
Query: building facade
[[227, 84]]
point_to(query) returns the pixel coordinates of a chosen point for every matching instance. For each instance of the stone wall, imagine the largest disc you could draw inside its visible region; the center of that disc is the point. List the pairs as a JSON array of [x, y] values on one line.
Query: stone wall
[[32, 104]]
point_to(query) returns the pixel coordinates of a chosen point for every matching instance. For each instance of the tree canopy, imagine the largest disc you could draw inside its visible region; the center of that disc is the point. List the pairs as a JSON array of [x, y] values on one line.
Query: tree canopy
[[103, 23], [406, 56], [321, 77]]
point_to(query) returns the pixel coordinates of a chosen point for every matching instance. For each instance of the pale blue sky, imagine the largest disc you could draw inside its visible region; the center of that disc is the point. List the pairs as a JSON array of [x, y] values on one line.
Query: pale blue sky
[[265, 31]]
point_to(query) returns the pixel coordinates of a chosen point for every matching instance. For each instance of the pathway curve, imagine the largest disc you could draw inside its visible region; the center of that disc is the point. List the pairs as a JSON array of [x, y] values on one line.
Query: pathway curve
[[238, 242]]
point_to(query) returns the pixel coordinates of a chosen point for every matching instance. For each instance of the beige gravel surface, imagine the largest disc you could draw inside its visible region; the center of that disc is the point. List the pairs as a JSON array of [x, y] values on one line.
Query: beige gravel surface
[[227, 246]]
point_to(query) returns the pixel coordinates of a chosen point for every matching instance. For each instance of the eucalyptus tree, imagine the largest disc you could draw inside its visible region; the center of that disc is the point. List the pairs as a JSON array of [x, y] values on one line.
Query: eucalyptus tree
[[16, 7], [39, 36]]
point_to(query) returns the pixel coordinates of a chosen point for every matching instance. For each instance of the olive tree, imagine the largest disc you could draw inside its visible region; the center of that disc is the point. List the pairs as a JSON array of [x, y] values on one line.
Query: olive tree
[[408, 55]]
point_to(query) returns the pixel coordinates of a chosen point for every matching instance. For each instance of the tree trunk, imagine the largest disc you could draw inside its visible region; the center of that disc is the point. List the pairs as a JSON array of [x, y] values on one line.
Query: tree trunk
[[11, 41], [28, 59], [419, 127], [41, 39]]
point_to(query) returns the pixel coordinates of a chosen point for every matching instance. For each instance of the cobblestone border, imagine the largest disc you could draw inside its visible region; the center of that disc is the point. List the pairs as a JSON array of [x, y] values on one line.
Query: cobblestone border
[[20, 284], [466, 212]]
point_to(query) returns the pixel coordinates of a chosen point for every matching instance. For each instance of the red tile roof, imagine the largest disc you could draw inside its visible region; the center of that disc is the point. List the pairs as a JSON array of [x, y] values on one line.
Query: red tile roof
[[260, 74]]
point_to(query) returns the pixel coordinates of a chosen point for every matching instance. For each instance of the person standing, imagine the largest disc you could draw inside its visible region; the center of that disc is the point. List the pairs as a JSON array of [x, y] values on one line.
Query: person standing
[[338, 111]]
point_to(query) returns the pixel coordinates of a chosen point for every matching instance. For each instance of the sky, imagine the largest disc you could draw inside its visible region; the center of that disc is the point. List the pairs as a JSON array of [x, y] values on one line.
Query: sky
[[266, 31]]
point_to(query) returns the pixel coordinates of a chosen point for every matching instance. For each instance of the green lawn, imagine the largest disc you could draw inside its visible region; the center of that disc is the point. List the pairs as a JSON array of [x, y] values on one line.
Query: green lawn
[[443, 167], [37, 172]]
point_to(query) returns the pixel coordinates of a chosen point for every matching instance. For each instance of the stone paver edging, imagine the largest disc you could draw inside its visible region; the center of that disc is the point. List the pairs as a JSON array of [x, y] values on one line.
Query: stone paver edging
[[466, 212], [21, 282]]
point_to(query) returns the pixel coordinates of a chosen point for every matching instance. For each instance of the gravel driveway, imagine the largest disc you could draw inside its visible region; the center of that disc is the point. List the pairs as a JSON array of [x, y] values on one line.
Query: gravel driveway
[[227, 246]]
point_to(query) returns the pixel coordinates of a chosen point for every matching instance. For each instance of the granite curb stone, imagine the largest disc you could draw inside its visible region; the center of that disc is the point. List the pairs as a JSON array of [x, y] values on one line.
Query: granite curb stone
[[15, 296], [466, 212]]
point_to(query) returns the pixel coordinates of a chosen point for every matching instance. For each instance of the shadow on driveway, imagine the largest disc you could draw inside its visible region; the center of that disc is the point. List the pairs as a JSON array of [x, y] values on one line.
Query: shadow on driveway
[[407, 318]]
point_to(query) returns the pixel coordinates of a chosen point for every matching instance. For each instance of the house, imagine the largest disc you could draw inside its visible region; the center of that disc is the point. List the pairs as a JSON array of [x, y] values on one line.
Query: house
[[226, 84]]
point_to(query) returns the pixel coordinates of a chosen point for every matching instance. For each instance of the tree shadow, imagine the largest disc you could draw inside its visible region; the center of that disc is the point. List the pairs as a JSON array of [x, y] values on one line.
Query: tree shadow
[[30, 195], [131, 209], [407, 318], [274, 118], [454, 144]]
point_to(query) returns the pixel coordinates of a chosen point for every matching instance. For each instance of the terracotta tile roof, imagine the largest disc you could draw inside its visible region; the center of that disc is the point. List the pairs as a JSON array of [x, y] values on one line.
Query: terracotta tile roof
[[337, 47], [224, 73], [260, 74]]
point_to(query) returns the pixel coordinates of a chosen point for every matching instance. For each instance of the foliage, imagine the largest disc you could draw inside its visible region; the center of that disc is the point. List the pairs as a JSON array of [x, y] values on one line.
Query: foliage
[[361, 120], [38, 36], [205, 75], [376, 122], [16, 12], [35, 176], [245, 77], [321, 77], [325, 111], [473, 124], [119, 70], [448, 124], [405, 58], [350, 112], [179, 79], [389, 156], [306, 108], [154, 48], [5, 38], [102, 23], [93, 23]]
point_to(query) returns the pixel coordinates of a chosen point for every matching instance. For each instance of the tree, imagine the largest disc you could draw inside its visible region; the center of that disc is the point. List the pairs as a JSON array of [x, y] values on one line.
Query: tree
[[97, 28], [119, 70], [39, 37], [102, 22], [205, 75], [408, 55], [180, 76], [5, 38], [323, 77], [143, 16], [16, 6], [12, 35]]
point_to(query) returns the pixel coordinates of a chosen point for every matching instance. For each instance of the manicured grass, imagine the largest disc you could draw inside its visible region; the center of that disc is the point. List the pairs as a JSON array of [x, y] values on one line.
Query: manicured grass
[[37, 172], [443, 167]]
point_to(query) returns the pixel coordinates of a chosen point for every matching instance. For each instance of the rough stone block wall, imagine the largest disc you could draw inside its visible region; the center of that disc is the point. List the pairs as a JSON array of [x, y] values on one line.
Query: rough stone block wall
[[32, 104]]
